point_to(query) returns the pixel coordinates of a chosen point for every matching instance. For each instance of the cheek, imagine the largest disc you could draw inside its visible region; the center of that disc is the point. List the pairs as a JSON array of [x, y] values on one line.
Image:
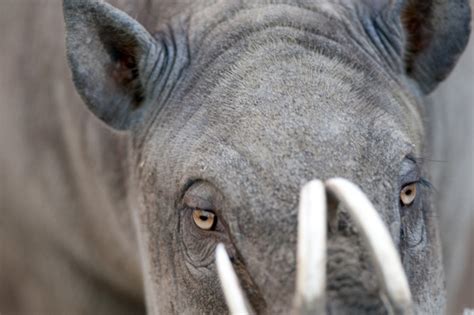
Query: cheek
[[413, 225], [200, 285]]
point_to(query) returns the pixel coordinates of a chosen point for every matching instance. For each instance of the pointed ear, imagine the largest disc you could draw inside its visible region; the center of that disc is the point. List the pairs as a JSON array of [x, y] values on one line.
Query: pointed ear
[[112, 59], [437, 31]]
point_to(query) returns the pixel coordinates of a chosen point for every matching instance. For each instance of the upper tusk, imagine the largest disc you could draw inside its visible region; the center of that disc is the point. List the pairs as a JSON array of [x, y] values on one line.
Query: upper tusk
[[311, 250], [230, 284], [380, 244]]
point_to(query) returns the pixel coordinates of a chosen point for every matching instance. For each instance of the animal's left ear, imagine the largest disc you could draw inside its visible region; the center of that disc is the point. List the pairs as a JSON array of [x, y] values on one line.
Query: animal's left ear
[[437, 31]]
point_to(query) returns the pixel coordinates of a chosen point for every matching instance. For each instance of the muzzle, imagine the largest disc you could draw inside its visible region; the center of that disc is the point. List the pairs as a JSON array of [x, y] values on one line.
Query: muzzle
[[311, 252]]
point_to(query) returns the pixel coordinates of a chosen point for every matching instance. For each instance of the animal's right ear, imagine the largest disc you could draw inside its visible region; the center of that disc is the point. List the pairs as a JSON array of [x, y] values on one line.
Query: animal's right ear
[[113, 60]]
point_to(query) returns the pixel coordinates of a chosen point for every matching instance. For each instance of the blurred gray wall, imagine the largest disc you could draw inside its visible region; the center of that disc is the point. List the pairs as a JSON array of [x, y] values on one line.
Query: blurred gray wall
[[452, 167]]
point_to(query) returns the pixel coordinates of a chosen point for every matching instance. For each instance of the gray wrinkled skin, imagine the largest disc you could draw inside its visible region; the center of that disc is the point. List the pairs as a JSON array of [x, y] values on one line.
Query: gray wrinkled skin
[[225, 106]]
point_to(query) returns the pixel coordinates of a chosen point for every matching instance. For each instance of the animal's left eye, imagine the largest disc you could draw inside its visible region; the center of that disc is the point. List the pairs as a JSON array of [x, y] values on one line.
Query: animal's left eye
[[205, 220], [408, 194]]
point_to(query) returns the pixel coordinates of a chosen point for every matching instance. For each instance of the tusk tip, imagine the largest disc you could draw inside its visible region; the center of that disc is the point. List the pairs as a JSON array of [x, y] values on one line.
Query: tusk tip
[[230, 284]]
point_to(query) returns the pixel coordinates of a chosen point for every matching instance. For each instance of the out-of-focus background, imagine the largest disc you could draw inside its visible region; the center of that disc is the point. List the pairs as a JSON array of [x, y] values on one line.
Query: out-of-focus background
[[33, 69], [451, 160]]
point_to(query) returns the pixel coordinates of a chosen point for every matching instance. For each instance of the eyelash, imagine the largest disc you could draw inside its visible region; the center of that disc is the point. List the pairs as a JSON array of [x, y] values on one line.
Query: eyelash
[[426, 183]]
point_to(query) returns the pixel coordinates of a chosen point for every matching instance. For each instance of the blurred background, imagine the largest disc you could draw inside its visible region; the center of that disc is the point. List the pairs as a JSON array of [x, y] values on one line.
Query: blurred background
[[33, 71], [451, 127]]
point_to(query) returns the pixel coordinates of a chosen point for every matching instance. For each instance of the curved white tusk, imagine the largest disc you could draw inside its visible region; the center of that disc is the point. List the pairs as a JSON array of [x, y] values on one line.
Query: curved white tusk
[[380, 244], [311, 255], [230, 284]]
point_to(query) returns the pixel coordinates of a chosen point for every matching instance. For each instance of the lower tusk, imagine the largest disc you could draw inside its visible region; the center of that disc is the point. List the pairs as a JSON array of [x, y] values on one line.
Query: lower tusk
[[230, 284], [311, 256], [380, 244]]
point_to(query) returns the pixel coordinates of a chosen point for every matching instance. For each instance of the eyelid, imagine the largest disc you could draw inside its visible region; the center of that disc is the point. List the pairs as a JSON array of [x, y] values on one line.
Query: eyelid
[[410, 173], [193, 201], [410, 178]]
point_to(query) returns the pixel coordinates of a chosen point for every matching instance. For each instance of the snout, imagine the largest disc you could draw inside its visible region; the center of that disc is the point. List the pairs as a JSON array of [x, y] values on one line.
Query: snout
[[310, 294]]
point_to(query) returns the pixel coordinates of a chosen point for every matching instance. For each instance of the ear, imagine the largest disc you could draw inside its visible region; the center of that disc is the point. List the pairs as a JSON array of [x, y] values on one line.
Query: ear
[[112, 59], [437, 31]]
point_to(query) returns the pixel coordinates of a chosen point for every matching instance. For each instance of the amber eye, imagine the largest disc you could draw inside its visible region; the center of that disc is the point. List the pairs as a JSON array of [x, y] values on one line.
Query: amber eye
[[205, 220], [408, 194]]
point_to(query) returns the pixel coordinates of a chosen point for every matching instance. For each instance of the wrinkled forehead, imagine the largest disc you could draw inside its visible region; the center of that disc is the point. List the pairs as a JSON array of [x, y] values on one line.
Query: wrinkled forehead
[[283, 98], [272, 70], [287, 98], [283, 114]]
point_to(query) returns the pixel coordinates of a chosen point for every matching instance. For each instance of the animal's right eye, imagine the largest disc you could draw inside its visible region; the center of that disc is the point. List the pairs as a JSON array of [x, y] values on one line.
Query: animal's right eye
[[205, 220], [202, 225]]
